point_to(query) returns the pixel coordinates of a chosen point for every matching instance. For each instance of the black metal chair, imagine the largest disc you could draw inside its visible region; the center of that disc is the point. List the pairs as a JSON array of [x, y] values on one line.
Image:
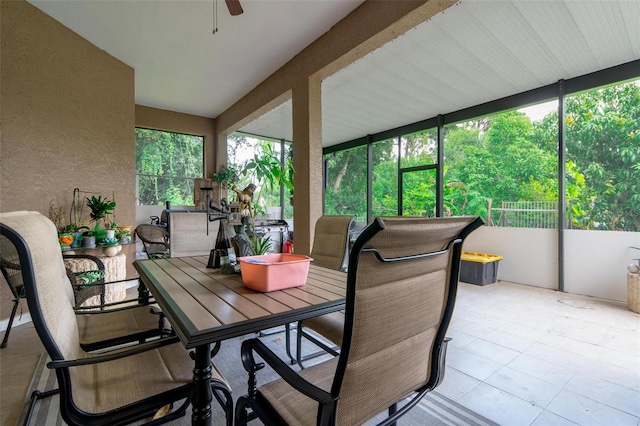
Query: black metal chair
[[401, 289], [82, 289], [116, 386]]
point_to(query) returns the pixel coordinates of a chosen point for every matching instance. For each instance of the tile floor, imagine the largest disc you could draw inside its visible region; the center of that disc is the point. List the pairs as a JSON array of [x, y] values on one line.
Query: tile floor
[[522, 355]]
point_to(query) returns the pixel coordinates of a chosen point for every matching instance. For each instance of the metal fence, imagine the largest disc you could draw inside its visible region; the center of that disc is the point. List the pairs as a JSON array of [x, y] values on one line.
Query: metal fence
[[525, 214]]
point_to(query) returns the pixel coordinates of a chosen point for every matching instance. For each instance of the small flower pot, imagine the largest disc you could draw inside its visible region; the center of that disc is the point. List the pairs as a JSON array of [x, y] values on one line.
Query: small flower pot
[[89, 242]]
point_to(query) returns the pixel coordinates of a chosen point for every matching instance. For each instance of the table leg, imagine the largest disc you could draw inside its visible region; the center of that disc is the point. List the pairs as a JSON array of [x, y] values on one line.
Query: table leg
[[202, 395]]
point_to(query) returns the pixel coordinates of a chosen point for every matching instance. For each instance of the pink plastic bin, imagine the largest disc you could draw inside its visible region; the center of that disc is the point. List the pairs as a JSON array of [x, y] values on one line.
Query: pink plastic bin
[[272, 272]]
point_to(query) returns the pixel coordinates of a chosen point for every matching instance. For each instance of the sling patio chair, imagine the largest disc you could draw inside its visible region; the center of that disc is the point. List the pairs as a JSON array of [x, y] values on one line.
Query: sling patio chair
[[101, 325], [330, 250], [116, 385], [401, 288]]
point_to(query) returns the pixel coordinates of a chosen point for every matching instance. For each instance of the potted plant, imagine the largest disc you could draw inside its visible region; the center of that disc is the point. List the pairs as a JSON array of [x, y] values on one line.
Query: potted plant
[[100, 208], [226, 176], [76, 229]]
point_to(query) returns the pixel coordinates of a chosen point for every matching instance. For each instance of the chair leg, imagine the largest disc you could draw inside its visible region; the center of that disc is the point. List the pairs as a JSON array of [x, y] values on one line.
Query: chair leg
[[287, 338], [241, 412], [13, 314], [325, 348], [225, 400], [393, 408], [35, 396]]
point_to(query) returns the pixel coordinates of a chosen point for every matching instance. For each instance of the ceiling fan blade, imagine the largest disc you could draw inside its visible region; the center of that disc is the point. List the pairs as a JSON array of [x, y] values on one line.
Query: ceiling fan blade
[[234, 7]]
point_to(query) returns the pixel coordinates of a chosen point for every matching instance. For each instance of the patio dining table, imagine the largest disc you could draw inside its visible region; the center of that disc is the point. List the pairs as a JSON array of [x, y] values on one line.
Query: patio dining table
[[205, 306]]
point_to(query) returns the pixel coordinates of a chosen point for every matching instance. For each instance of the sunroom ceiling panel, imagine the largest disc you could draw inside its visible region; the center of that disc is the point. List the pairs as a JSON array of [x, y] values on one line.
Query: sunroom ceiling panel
[[476, 52]]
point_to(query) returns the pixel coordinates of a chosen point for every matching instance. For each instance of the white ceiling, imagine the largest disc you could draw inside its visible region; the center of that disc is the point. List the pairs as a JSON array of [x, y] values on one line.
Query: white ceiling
[[473, 52], [179, 64]]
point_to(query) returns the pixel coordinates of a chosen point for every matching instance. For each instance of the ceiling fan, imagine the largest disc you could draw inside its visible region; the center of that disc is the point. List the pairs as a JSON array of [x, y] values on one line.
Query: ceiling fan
[[234, 7]]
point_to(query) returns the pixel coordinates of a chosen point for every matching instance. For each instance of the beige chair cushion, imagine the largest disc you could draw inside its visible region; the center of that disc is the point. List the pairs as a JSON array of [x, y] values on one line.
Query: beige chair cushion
[[293, 406], [102, 387]]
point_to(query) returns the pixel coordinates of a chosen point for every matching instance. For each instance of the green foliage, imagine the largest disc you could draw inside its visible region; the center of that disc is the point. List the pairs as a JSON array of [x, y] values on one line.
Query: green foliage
[[603, 140], [261, 245], [226, 176], [259, 163], [505, 157], [347, 183], [166, 165], [99, 207]]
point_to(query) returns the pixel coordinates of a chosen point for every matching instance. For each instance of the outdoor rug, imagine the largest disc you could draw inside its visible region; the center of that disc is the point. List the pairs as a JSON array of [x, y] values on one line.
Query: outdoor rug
[[433, 409]]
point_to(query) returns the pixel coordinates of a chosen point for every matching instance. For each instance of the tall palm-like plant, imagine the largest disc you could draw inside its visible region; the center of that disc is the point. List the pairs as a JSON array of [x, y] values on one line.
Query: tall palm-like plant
[[100, 208]]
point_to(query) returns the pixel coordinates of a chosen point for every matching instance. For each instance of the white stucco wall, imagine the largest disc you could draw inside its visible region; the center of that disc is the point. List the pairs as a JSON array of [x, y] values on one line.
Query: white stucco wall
[[595, 261], [529, 255]]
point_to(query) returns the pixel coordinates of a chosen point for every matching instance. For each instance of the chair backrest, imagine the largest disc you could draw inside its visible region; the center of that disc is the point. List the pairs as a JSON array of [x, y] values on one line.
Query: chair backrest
[[401, 288], [331, 241], [155, 239], [49, 293]]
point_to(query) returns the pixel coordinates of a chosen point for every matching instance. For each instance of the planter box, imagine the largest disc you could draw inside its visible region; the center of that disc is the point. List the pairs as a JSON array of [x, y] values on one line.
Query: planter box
[[479, 268], [272, 272]]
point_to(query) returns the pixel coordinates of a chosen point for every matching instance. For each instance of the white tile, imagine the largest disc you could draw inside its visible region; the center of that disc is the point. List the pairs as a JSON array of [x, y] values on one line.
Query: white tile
[[480, 317], [582, 351], [547, 418], [581, 330], [587, 412], [545, 321], [500, 354], [524, 386], [622, 340], [596, 311], [543, 370], [469, 327], [471, 364], [622, 359], [611, 394], [459, 338], [456, 384], [508, 340], [499, 406], [555, 355], [629, 378], [533, 333], [628, 321]]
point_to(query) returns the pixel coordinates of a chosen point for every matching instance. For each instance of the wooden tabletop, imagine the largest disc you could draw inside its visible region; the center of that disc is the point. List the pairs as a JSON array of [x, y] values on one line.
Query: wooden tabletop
[[205, 306]]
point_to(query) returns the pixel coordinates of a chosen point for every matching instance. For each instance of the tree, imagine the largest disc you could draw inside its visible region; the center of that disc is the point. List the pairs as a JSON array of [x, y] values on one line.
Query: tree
[[603, 151], [166, 164]]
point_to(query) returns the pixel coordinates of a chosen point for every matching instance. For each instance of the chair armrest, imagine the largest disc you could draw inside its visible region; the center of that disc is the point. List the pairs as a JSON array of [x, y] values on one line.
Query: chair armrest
[[287, 373], [141, 301], [115, 354], [91, 310]]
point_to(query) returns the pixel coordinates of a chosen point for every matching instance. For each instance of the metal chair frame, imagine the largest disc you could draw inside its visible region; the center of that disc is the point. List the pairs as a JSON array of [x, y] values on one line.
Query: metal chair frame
[[123, 415], [254, 404]]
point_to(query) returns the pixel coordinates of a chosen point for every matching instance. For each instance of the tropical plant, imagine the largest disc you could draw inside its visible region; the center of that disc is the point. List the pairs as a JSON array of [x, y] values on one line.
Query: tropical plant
[[269, 169], [226, 176], [100, 208], [261, 245]]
